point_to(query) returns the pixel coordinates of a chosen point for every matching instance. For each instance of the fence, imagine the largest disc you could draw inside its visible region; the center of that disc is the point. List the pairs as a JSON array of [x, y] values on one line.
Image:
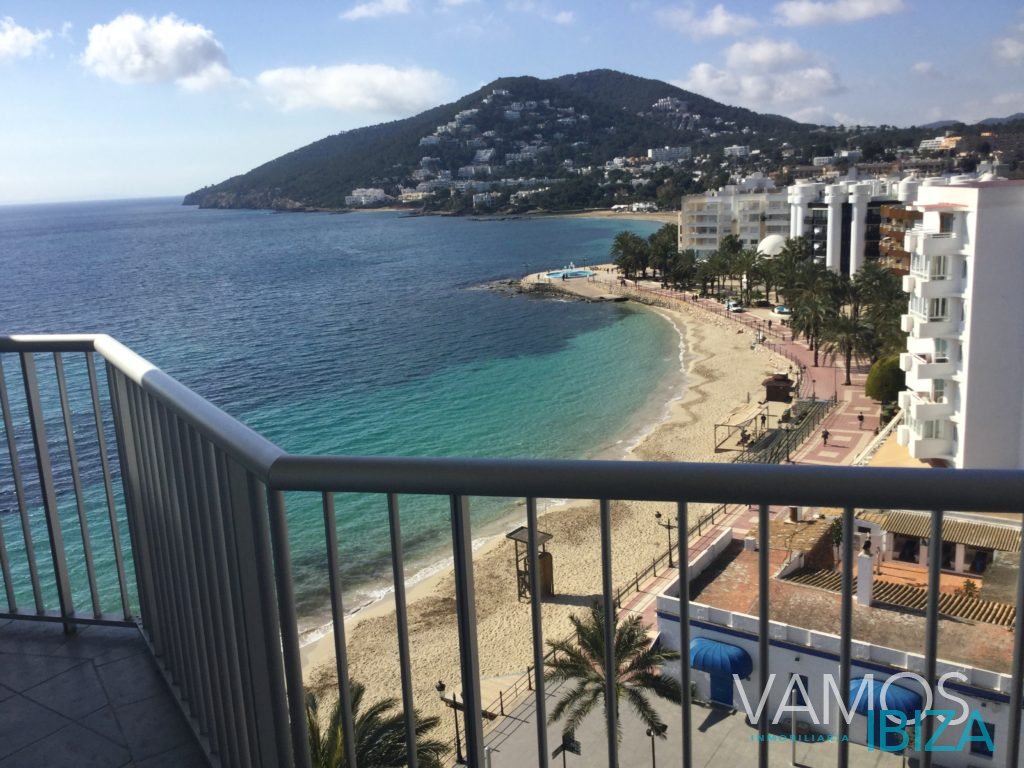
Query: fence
[[203, 500], [808, 414]]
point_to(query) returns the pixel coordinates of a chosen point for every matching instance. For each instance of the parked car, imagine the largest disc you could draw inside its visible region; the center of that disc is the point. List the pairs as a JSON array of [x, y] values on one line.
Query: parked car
[[734, 306], [780, 309]]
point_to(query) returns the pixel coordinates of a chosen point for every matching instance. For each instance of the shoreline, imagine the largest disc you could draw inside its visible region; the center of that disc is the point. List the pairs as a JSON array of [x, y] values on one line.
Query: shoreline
[[715, 356]]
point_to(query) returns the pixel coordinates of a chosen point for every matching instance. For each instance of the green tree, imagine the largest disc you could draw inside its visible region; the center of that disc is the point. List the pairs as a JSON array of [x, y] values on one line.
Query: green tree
[[663, 245], [849, 337], [630, 253], [812, 304], [885, 380], [580, 665], [683, 268], [379, 732]]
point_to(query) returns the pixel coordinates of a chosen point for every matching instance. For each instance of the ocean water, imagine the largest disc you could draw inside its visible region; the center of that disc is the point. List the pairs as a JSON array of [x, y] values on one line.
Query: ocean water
[[359, 334]]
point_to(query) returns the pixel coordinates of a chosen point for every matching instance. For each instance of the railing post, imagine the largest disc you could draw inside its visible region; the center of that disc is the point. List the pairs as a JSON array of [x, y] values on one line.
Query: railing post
[[38, 422], [610, 683], [465, 616]]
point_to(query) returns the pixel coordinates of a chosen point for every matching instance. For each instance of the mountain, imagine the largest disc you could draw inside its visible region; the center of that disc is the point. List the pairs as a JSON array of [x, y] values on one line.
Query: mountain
[[939, 124], [1015, 117], [511, 128]]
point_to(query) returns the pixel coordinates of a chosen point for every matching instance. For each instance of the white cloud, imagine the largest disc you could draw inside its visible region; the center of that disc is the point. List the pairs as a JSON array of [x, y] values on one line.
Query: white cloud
[[799, 13], [543, 11], [131, 49], [19, 42], [354, 87], [715, 23], [374, 9], [65, 30], [765, 54], [923, 68], [447, 4], [1016, 98], [765, 74], [1009, 49]]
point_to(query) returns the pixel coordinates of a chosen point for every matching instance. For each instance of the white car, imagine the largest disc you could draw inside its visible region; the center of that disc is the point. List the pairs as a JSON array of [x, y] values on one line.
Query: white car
[[734, 306]]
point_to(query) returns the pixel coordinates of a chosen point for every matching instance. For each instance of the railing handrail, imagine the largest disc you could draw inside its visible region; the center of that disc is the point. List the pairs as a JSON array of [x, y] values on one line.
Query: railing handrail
[[653, 481]]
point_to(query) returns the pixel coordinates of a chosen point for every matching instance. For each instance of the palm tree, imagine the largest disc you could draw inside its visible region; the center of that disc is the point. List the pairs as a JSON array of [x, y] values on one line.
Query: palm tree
[[629, 252], [813, 304], [848, 336], [379, 732], [662, 246], [580, 664]]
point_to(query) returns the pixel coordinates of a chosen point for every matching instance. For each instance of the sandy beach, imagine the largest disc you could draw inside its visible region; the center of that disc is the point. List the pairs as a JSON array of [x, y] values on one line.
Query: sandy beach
[[723, 374]]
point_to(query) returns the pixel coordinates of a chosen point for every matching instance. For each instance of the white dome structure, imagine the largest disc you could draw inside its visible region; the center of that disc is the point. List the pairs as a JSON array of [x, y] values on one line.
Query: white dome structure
[[771, 245]]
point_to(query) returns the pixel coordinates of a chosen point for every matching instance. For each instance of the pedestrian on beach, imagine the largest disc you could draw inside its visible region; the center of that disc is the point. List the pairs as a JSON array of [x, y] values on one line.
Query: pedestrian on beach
[[824, 437], [769, 324], [764, 420], [860, 421]]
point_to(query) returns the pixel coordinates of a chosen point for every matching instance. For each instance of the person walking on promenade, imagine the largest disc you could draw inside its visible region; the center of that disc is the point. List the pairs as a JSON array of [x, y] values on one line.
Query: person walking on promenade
[[824, 437]]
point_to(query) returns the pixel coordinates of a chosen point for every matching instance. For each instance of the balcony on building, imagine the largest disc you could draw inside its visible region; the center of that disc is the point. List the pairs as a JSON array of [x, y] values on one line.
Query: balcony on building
[[931, 243], [921, 369], [194, 614], [924, 406]]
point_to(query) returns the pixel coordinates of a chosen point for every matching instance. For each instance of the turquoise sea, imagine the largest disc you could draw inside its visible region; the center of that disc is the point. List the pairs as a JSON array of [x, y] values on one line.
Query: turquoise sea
[[361, 334]]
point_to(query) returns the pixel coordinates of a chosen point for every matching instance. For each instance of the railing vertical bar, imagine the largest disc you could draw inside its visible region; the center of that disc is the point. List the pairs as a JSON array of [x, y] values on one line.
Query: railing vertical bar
[[846, 632], [465, 611], [247, 715], [538, 632], [338, 616], [169, 518], [19, 492], [202, 537], [274, 639], [5, 571], [196, 587], [1017, 677], [108, 486], [682, 513], [402, 627], [76, 483], [610, 667], [763, 628], [38, 422], [154, 506], [931, 626], [125, 429]]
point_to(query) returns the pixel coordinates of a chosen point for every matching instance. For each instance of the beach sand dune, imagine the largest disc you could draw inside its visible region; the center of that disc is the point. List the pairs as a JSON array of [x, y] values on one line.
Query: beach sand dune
[[723, 374]]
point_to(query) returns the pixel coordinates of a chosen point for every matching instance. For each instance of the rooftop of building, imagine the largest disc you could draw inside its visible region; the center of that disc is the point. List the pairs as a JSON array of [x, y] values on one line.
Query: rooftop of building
[[731, 584]]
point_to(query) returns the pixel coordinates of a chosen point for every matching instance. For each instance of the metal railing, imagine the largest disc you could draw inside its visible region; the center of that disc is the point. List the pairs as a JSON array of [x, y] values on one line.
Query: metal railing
[[202, 499]]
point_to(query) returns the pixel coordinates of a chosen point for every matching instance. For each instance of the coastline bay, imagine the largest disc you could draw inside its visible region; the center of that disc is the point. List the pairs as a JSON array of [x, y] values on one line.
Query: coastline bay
[[354, 334]]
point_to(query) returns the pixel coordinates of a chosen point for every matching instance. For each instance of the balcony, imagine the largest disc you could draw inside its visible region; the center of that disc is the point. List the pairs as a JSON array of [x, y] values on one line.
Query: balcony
[[921, 406], [196, 561], [921, 327], [930, 244], [921, 369]]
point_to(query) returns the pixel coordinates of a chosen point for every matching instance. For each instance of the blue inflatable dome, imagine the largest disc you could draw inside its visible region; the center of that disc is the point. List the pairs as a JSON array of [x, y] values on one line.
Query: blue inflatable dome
[[719, 658]]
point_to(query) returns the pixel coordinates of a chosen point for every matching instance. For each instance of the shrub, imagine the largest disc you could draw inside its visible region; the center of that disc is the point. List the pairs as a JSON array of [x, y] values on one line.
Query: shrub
[[885, 380]]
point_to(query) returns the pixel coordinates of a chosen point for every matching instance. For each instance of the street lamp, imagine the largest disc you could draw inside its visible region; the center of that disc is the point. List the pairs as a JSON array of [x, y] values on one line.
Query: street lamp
[[455, 707], [658, 730], [668, 527]]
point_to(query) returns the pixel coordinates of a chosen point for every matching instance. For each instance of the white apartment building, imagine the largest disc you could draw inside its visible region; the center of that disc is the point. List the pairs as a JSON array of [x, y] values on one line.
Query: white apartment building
[[668, 154], [366, 196], [751, 209], [965, 352], [841, 220]]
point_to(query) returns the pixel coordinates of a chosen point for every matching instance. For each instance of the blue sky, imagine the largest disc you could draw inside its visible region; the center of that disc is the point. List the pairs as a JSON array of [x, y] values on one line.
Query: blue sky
[[105, 100]]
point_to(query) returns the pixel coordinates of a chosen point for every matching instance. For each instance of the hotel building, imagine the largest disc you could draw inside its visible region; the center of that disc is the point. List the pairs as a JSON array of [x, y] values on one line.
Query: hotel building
[[965, 356]]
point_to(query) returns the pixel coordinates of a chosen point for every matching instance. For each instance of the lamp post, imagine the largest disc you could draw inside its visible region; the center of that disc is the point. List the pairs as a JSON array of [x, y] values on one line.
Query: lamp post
[[653, 733], [454, 706], [668, 527]]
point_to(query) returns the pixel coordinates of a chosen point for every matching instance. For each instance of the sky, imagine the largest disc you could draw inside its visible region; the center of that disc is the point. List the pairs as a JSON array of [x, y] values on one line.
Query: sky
[[107, 101]]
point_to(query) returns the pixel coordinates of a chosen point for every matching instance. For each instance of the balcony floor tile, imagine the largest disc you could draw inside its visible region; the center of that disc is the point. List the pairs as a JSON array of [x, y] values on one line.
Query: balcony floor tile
[[71, 747], [74, 693], [90, 698]]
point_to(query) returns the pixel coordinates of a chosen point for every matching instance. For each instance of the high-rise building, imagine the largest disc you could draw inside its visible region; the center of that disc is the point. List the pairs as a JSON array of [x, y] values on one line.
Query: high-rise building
[[965, 357]]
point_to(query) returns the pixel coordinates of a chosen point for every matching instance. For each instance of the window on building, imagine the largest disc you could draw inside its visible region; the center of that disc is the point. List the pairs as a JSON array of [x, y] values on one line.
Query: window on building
[[981, 747], [941, 350], [938, 309], [946, 222], [938, 267], [939, 390]]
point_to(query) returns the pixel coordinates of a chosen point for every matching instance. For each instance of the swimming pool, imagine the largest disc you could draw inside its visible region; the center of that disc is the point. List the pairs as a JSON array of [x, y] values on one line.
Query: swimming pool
[[569, 273]]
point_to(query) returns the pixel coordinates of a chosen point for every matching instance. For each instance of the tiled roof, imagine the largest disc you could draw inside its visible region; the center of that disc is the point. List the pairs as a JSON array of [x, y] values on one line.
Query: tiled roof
[[954, 529]]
